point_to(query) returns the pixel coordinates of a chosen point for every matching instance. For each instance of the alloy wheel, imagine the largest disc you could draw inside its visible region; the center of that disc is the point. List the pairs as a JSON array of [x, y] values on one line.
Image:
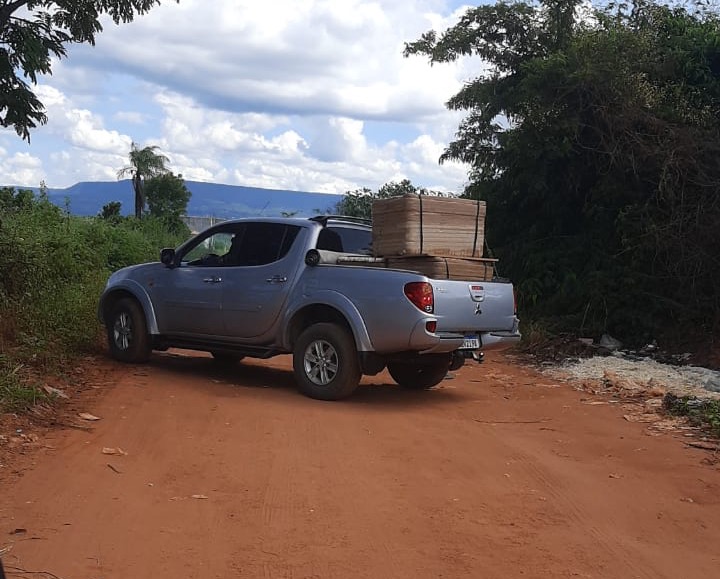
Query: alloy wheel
[[321, 362]]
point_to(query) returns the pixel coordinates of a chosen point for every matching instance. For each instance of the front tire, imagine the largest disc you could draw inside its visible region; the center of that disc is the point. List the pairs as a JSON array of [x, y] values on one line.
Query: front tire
[[326, 362], [419, 375], [128, 338]]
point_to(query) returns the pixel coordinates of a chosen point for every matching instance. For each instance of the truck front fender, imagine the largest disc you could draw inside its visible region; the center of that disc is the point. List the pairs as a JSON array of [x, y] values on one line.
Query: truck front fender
[[129, 288]]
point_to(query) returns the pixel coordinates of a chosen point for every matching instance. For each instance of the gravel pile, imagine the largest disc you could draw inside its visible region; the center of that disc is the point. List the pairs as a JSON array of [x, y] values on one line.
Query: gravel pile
[[643, 374]]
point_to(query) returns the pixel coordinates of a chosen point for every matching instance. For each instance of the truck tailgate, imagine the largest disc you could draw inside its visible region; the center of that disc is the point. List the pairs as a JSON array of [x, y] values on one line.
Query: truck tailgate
[[465, 307]]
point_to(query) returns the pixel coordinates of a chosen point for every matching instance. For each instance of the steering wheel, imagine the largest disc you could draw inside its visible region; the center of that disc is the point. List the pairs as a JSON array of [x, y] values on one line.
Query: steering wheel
[[207, 260]]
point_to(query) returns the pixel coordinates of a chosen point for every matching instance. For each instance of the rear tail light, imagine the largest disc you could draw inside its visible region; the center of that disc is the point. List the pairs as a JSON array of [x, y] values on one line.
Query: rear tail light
[[420, 293], [515, 301], [431, 327]]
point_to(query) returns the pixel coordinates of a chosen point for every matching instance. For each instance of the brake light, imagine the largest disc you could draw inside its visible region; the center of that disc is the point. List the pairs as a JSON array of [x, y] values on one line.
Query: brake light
[[431, 327], [420, 293]]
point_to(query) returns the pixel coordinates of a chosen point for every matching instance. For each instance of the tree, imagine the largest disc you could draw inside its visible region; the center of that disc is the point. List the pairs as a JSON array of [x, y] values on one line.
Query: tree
[[32, 33], [16, 200], [358, 203], [167, 198], [145, 163], [594, 140], [111, 211]]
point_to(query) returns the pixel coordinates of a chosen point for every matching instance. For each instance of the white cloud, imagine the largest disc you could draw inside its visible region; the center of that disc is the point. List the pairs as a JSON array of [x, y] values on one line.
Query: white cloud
[[299, 57], [21, 169], [339, 139], [50, 96], [132, 117], [87, 131], [80, 127], [296, 94]]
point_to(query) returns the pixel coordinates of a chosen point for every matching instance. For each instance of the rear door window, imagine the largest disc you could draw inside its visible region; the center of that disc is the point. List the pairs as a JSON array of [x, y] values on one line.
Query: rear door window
[[264, 243], [354, 240]]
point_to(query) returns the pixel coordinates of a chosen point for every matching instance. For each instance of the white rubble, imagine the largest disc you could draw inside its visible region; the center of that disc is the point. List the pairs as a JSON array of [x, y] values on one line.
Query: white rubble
[[679, 380]]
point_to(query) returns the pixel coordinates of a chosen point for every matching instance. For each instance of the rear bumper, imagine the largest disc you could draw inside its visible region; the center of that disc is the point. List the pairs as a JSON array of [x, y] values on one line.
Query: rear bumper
[[503, 339], [445, 342], [445, 345]]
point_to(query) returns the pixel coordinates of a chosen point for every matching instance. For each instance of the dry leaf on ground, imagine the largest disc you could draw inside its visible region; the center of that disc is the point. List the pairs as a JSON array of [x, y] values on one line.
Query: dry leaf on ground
[[55, 392], [88, 416], [116, 451]]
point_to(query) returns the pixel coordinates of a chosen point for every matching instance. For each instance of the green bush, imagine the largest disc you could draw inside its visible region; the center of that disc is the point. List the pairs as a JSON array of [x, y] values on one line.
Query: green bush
[[53, 267]]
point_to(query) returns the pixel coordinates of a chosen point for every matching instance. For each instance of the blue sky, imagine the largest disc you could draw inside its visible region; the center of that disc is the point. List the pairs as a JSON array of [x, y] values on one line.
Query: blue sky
[[310, 95]]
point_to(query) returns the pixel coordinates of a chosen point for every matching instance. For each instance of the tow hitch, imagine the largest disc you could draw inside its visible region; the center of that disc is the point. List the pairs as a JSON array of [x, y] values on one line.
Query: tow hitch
[[459, 356], [478, 356]]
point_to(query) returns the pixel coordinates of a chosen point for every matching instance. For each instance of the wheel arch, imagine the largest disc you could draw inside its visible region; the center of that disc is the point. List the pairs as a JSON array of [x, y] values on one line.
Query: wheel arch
[[115, 294], [309, 314]]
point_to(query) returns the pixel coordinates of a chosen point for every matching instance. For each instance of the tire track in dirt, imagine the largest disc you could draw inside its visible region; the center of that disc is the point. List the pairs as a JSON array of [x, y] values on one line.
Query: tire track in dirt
[[561, 511]]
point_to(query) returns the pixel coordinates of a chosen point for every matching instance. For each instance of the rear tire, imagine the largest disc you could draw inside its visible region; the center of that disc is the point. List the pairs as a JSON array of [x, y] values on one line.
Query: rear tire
[[419, 375], [128, 338], [326, 363]]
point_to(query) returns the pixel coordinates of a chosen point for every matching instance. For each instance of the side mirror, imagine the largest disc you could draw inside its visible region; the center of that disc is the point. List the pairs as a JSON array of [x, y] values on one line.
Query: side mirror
[[167, 256]]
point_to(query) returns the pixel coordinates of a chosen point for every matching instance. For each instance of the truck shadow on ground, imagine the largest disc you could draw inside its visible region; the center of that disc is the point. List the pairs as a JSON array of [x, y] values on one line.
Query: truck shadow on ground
[[253, 374]]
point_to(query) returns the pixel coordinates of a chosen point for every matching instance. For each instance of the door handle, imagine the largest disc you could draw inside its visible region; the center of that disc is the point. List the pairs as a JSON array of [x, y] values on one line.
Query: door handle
[[213, 279], [277, 279]]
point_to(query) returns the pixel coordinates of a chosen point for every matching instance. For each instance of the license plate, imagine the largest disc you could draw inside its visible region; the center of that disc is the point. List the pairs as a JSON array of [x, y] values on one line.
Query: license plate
[[471, 343]]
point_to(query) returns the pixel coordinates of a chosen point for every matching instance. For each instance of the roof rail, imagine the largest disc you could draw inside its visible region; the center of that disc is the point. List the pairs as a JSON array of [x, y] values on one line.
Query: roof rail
[[323, 219]]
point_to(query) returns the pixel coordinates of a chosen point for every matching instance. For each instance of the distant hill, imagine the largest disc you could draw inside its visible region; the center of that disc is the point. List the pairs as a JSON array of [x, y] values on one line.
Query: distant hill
[[208, 199]]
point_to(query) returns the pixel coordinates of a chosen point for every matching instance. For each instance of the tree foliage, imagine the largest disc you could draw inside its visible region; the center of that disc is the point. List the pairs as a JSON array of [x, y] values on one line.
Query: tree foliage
[[595, 139], [111, 211], [145, 163], [358, 203], [167, 198], [32, 33]]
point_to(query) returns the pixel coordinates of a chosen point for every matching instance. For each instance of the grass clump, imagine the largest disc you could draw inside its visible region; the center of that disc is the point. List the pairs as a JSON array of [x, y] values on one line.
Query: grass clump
[[15, 394], [704, 413]]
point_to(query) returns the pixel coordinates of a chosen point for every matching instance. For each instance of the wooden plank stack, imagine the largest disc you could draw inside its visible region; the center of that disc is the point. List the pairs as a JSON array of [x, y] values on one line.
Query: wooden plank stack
[[440, 237], [457, 268], [426, 225]]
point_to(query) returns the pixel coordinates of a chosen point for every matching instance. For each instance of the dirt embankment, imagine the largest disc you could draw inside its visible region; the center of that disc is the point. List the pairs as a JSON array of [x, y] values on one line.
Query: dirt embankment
[[194, 471]]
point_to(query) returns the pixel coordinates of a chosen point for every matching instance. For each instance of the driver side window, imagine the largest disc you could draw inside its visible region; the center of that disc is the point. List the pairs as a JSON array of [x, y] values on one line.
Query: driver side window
[[211, 250], [248, 244]]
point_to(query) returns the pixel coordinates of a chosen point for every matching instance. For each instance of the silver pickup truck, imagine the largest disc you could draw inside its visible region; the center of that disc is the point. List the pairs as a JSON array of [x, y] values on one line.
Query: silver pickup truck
[[262, 287]]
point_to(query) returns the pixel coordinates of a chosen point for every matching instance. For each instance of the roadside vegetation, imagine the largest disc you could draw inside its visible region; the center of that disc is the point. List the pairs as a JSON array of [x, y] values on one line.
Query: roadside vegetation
[[702, 413], [53, 268]]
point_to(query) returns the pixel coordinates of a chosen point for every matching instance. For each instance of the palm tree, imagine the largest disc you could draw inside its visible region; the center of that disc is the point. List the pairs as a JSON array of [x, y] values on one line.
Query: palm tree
[[145, 163]]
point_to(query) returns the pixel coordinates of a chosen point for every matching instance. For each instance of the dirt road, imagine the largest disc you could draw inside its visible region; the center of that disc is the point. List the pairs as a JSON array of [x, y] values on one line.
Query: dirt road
[[499, 473]]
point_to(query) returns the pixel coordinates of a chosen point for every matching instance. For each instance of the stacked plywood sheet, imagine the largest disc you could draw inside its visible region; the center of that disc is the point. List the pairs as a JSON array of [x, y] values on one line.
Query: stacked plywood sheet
[[440, 237], [455, 268], [425, 225]]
